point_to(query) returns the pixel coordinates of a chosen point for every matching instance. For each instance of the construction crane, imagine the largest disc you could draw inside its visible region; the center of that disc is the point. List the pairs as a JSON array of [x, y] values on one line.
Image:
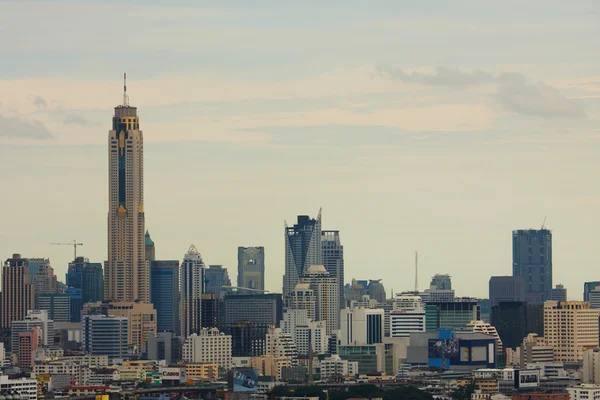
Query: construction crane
[[74, 243]]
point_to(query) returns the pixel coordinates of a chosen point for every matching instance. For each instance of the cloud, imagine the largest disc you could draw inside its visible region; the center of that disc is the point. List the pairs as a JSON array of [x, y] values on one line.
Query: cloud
[[514, 91], [75, 119], [23, 128], [39, 102]]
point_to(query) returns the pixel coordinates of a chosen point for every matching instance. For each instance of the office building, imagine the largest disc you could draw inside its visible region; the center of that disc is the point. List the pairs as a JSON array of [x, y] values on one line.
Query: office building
[[17, 291], [588, 287], [303, 298], [208, 310], [357, 290], [486, 328], [216, 281], [102, 335], [76, 299], [506, 288], [202, 372], [45, 281], [141, 319], [591, 366], [92, 283], [325, 289], [192, 287], [514, 320], [371, 357], [376, 290], [532, 260], [451, 314], [535, 349], [251, 268], [441, 282], [307, 334], [74, 278], [334, 367], [34, 319], [149, 249], [58, 306], [23, 388], [26, 345], [260, 309], [302, 249], [361, 326], [333, 260], [126, 269], [164, 292], [407, 316], [559, 293], [208, 346], [594, 297], [570, 327], [247, 339], [34, 264], [585, 391], [280, 344], [163, 346]]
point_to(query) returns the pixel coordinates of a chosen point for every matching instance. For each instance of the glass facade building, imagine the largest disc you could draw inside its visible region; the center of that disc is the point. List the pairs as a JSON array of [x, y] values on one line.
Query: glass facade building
[[164, 294]]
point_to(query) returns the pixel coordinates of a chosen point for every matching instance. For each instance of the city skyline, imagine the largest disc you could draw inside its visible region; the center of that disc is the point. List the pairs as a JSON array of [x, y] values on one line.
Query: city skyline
[[430, 153]]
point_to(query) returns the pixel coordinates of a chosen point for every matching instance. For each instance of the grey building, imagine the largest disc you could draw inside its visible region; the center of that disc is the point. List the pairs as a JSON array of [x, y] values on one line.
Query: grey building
[[163, 346], [302, 249], [506, 288], [333, 260], [259, 309], [251, 268], [216, 281], [34, 319], [57, 305], [92, 285], [164, 294], [106, 336], [441, 282], [588, 287], [532, 260], [559, 293]]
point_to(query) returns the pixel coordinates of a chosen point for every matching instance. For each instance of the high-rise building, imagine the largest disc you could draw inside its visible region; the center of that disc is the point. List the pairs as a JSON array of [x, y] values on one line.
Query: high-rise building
[[506, 288], [591, 366], [511, 321], [281, 344], [251, 268], [126, 270], [486, 328], [594, 297], [45, 281], [208, 310], [532, 260], [261, 309], [208, 346], [34, 319], [325, 288], [149, 249], [361, 326], [92, 285], [559, 293], [216, 281], [26, 345], [74, 277], [103, 335], [34, 265], [441, 282], [303, 298], [376, 290], [407, 316], [588, 287], [192, 287], [17, 291], [333, 260], [164, 292], [247, 339], [302, 249], [57, 305], [451, 314], [570, 327], [163, 346]]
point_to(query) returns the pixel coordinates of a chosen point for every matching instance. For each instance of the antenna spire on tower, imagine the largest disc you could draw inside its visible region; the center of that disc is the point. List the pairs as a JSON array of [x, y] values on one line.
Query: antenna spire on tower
[[125, 98], [416, 271]]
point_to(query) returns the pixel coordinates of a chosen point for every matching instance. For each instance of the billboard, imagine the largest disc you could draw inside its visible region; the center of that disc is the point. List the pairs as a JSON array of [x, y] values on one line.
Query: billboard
[[448, 348], [527, 378], [170, 374], [245, 380]]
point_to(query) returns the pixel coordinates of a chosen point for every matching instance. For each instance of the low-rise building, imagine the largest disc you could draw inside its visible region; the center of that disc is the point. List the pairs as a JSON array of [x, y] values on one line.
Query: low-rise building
[[25, 387], [209, 346], [585, 391], [76, 390], [334, 366], [202, 371]]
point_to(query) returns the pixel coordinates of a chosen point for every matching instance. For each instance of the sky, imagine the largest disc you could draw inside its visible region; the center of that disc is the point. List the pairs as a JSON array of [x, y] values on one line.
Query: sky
[[432, 126]]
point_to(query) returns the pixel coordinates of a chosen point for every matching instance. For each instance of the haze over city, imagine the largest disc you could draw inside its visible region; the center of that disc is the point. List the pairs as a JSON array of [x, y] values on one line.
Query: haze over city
[[430, 127]]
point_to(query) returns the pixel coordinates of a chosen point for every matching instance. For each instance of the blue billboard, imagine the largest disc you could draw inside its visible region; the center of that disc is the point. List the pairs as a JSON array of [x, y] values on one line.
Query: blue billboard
[[245, 380]]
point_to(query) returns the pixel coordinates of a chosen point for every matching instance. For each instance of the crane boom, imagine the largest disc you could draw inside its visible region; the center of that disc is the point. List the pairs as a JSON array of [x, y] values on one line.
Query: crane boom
[[73, 243]]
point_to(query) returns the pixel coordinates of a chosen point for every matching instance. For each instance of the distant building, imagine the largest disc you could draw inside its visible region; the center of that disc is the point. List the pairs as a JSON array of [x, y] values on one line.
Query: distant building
[[588, 287], [303, 298], [217, 281], [535, 349], [486, 328], [377, 357], [441, 282], [514, 320], [570, 327], [302, 249], [149, 249], [102, 335], [45, 281], [85, 284], [26, 345], [28, 388], [208, 346], [163, 346], [261, 309], [591, 366], [208, 310], [247, 338], [376, 290], [585, 391], [532, 260], [506, 288], [450, 314], [192, 287], [326, 290], [92, 289], [594, 297], [333, 260], [17, 291], [164, 293], [281, 344], [334, 366], [251, 268], [559, 293], [407, 316], [361, 326], [34, 319], [58, 306]]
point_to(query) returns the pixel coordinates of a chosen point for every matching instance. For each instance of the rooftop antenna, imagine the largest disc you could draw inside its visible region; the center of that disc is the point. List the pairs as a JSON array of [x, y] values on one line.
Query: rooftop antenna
[[417, 271], [544, 224], [125, 98]]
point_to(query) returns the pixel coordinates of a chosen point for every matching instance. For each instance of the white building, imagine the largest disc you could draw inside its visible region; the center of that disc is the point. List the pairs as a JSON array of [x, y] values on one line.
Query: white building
[[305, 332], [325, 288], [335, 366], [209, 346], [486, 328], [591, 366], [192, 287], [34, 319], [407, 316], [361, 326], [78, 372], [25, 387], [280, 344], [584, 391]]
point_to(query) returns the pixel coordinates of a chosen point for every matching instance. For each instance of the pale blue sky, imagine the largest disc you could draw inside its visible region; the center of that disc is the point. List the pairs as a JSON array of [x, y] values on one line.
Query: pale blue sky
[[433, 126]]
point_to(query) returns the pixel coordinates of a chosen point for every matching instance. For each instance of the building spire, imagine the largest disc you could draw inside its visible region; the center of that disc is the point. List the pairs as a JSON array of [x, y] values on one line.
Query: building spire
[[125, 97]]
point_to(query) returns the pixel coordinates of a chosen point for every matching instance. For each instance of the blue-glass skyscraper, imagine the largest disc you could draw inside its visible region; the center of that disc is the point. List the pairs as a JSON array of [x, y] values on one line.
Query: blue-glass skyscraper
[[164, 294], [532, 260]]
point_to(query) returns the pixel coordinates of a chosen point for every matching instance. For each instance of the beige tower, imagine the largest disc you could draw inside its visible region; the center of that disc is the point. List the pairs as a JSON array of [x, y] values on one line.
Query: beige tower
[[126, 270], [17, 291]]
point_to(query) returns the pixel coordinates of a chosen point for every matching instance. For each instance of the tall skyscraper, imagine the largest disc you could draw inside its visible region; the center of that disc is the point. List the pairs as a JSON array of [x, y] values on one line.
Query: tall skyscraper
[[92, 283], [126, 269], [333, 260], [216, 281], [164, 292], [251, 268], [588, 287], [45, 281], [506, 288], [149, 249], [17, 291], [192, 287], [559, 293], [325, 288], [532, 260], [302, 249]]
